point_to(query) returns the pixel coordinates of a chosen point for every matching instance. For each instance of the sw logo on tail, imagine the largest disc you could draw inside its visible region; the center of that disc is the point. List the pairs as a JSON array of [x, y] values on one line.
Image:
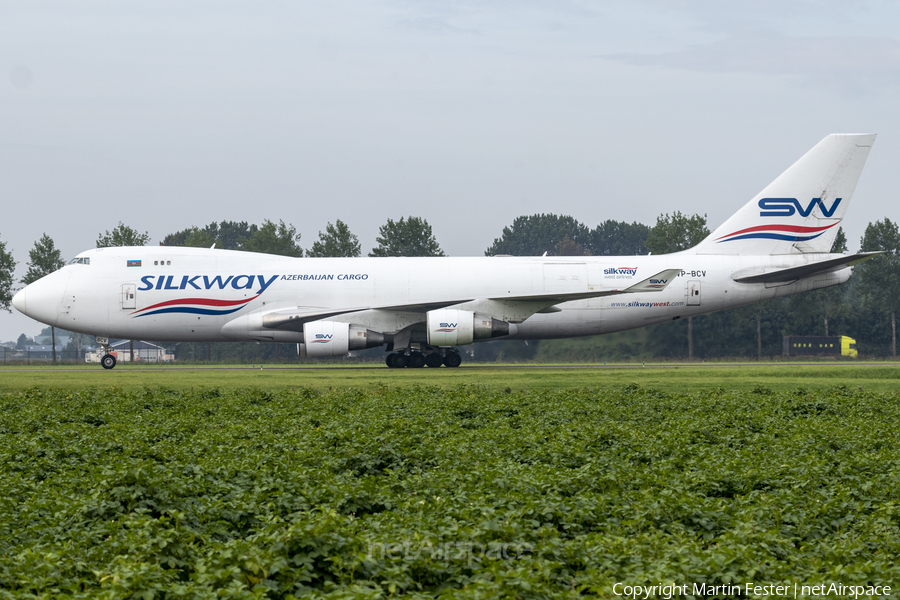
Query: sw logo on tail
[[786, 207]]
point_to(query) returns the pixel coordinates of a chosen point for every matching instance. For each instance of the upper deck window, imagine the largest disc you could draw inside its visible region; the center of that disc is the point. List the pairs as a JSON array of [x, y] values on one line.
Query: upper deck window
[[80, 261]]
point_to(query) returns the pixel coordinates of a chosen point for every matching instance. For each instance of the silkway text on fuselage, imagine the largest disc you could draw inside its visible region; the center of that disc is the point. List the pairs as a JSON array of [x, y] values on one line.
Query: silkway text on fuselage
[[237, 282], [201, 282]]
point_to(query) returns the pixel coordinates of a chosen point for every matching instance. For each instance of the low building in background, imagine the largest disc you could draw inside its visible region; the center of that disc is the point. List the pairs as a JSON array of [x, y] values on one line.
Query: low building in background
[[42, 352], [143, 352], [819, 345]]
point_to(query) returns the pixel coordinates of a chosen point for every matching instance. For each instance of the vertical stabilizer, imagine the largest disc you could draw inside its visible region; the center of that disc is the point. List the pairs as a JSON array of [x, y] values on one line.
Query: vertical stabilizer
[[800, 211]]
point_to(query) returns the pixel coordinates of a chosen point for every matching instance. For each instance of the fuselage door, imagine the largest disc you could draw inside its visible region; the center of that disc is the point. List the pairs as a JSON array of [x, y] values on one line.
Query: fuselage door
[[129, 291], [693, 293]]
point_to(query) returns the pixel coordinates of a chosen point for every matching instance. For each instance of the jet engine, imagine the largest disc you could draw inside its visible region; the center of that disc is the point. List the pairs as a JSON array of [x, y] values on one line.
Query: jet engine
[[333, 338], [452, 327]]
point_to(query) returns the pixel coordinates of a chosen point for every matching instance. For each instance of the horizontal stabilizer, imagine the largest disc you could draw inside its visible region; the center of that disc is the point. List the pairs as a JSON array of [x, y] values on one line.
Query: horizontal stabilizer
[[780, 274]]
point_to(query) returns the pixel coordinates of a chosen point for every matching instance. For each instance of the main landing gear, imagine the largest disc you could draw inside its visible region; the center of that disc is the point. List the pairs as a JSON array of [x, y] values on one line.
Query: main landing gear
[[416, 360]]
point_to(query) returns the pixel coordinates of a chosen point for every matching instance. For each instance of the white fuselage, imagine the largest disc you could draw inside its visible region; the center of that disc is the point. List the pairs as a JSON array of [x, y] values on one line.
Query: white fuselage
[[190, 294], [775, 245]]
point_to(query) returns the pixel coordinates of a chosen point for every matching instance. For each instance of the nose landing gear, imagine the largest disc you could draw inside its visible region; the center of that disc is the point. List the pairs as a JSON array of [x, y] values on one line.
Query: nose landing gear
[[107, 361]]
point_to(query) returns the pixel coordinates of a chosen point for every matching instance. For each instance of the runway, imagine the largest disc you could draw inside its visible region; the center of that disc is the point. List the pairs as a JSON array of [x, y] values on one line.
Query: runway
[[467, 367]]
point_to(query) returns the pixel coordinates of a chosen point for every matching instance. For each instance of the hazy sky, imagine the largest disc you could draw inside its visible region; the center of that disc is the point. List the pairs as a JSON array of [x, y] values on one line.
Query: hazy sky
[[165, 115]]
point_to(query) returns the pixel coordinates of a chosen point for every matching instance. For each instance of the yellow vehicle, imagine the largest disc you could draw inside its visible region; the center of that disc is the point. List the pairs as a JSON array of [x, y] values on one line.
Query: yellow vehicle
[[848, 347], [818, 345]]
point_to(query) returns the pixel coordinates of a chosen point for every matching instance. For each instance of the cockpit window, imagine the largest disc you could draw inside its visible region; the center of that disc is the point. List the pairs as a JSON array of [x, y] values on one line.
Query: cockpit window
[[80, 261]]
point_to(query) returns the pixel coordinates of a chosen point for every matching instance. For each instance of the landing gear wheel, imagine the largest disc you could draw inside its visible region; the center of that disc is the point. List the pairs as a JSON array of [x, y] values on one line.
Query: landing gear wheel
[[452, 359], [434, 360], [416, 360], [389, 360], [108, 361], [400, 361]]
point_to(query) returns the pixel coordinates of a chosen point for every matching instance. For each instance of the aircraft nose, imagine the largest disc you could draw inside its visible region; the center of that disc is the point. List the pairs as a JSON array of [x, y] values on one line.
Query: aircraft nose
[[18, 301], [40, 300]]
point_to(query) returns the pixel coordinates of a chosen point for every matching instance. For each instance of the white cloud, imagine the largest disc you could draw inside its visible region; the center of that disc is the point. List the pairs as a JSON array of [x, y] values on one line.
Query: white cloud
[[848, 64]]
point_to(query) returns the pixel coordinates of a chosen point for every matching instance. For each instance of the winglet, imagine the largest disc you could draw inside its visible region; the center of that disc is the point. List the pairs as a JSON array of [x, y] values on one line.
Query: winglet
[[654, 283]]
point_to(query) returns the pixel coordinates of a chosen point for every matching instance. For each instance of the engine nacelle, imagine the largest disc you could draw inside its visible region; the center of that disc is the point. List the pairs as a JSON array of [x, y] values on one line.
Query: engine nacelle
[[326, 338], [333, 338], [452, 327]]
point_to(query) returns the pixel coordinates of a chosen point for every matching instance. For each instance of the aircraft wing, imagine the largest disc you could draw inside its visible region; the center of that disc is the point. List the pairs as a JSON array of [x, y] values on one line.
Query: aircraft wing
[[654, 283], [294, 318], [793, 273]]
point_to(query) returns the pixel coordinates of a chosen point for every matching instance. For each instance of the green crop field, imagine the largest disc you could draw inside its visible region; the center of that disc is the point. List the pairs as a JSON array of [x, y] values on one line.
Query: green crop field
[[873, 376], [381, 487]]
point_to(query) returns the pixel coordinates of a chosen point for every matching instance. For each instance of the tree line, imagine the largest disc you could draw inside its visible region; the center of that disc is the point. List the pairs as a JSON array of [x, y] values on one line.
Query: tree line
[[864, 308], [406, 237]]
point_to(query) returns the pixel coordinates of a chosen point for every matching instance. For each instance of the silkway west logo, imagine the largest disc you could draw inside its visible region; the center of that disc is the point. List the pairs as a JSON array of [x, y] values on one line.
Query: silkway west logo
[[785, 207], [620, 271], [447, 327], [657, 283], [201, 306], [322, 338]]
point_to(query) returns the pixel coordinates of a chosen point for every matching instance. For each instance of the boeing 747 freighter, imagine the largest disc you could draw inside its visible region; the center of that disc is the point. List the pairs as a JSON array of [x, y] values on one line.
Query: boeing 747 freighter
[[422, 309]]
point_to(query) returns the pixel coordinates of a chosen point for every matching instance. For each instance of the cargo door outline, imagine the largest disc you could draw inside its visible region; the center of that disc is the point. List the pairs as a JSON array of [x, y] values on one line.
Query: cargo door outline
[[129, 296], [692, 291]]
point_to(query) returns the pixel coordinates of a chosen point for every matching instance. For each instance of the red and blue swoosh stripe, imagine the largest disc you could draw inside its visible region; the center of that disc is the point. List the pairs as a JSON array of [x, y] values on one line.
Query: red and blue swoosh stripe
[[787, 233], [195, 306]]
